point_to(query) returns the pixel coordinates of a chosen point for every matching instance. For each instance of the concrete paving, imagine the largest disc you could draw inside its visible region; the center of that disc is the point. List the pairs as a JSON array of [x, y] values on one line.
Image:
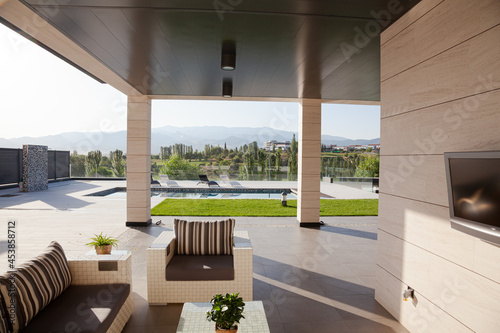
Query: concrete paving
[[61, 213]]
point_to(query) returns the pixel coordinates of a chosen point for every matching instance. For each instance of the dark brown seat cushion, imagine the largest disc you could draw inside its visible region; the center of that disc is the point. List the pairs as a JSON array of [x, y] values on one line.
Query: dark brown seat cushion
[[200, 268], [83, 309]]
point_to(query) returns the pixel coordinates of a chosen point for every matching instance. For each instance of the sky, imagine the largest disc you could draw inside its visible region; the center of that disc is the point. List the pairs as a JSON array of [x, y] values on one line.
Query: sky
[[42, 95]]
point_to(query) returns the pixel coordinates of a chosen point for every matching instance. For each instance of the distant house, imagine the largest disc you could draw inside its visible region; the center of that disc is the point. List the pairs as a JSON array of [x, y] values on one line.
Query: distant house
[[284, 145], [330, 148]]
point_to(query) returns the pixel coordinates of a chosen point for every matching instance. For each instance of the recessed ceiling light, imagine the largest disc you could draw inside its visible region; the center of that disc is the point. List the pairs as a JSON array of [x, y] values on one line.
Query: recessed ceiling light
[[228, 61], [227, 89]]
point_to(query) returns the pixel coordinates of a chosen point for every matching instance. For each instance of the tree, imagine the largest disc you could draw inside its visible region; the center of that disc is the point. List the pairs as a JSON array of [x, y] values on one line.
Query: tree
[[92, 162], [216, 151], [207, 151], [102, 171], [368, 167], [262, 160], [105, 162], [254, 148], [117, 166], [178, 168], [292, 159], [236, 160], [248, 164], [278, 163], [77, 164]]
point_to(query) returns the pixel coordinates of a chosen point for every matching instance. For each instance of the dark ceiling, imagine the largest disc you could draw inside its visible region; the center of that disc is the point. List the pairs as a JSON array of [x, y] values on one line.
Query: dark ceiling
[[289, 49]]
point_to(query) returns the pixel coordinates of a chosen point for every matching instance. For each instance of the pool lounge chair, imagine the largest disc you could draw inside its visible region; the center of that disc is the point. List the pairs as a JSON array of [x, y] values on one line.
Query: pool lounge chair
[[204, 180], [165, 181], [228, 182]]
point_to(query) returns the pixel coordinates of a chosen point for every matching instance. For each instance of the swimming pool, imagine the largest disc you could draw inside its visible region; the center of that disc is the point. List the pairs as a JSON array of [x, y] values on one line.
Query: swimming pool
[[202, 193]]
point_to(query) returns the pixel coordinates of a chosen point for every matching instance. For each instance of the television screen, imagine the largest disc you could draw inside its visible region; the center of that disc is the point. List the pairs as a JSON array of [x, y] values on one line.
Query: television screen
[[474, 193], [476, 189]]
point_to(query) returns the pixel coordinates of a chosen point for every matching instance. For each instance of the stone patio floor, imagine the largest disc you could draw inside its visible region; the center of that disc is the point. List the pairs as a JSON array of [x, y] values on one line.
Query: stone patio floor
[[310, 280]]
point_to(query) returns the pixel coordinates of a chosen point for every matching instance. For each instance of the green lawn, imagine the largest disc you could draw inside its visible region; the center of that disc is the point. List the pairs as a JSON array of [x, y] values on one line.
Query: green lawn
[[260, 207]]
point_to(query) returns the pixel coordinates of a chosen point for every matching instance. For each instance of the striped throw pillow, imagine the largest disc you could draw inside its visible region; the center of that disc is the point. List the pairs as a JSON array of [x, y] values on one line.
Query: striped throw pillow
[[204, 237], [37, 282], [4, 317]]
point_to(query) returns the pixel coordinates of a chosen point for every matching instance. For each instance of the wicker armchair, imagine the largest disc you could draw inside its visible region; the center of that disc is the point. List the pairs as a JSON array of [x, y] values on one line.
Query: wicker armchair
[[162, 291]]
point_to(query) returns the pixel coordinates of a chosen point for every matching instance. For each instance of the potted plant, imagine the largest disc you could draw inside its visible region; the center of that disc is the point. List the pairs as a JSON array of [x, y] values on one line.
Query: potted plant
[[103, 243], [226, 312]]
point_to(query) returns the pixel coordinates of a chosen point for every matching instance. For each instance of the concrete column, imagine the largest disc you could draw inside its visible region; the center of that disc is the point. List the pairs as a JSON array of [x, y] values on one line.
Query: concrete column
[[309, 168], [138, 161]]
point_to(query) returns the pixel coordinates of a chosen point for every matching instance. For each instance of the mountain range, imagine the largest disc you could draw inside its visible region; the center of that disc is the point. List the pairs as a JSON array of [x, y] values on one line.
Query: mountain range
[[198, 137]]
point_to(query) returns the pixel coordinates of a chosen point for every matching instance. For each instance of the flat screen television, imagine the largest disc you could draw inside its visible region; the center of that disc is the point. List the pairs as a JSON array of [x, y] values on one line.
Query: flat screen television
[[473, 180]]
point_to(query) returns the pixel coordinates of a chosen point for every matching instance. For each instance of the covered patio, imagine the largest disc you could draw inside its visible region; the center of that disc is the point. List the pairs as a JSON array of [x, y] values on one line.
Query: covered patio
[[432, 65]]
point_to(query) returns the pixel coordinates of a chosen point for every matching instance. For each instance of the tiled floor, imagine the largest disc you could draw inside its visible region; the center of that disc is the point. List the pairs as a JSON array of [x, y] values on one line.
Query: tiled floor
[[310, 280]]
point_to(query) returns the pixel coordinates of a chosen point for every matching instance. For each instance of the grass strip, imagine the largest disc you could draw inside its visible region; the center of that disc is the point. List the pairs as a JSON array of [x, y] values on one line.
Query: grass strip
[[261, 207]]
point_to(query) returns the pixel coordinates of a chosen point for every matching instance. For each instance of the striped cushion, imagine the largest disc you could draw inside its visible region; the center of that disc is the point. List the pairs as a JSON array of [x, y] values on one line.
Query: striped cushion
[[204, 238], [37, 282], [4, 322]]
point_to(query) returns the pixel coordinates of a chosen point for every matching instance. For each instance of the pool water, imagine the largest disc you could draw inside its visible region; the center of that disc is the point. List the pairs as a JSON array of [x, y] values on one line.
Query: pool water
[[202, 193], [212, 195]]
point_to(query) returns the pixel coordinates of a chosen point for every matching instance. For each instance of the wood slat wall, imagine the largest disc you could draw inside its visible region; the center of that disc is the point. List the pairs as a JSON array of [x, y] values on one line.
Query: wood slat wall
[[440, 69]]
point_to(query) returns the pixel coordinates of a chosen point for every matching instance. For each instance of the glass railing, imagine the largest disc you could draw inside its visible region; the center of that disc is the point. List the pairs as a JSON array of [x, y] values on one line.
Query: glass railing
[[234, 174], [213, 172]]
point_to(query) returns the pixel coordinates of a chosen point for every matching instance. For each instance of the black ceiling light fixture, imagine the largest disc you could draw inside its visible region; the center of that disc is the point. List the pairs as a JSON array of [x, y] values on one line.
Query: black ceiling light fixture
[[228, 62], [227, 88], [228, 58]]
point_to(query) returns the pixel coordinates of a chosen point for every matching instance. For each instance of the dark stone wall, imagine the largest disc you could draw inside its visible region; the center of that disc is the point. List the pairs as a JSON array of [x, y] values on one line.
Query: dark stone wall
[[35, 168]]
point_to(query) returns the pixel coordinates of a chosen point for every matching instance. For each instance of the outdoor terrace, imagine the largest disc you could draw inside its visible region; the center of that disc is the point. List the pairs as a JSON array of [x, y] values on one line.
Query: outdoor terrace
[[309, 279]]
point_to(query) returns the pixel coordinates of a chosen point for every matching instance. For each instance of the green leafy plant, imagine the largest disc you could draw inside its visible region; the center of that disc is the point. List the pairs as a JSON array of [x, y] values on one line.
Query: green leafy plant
[[102, 240], [117, 165], [226, 310]]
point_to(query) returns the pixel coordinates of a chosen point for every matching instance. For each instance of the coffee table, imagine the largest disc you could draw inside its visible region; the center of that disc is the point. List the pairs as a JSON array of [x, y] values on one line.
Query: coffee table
[[194, 319]]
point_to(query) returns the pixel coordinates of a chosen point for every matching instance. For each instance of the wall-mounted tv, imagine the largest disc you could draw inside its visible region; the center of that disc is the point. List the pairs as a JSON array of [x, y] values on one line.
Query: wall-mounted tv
[[474, 193]]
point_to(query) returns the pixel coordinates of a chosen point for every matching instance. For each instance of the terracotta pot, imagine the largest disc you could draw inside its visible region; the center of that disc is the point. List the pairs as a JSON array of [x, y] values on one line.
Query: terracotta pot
[[234, 329], [105, 249]]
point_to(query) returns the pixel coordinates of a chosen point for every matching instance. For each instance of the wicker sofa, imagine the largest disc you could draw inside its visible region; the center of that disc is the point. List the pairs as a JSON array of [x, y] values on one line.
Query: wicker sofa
[[58, 294], [180, 271]]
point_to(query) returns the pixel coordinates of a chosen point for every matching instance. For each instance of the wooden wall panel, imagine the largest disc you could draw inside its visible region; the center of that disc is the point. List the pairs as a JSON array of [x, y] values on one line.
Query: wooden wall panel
[[405, 261], [433, 34], [469, 124], [456, 73], [421, 316], [138, 160], [408, 19], [138, 180], [419, 177], [486, 260], [428, 226], [454, 289], [309, 160], [440, 93]]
